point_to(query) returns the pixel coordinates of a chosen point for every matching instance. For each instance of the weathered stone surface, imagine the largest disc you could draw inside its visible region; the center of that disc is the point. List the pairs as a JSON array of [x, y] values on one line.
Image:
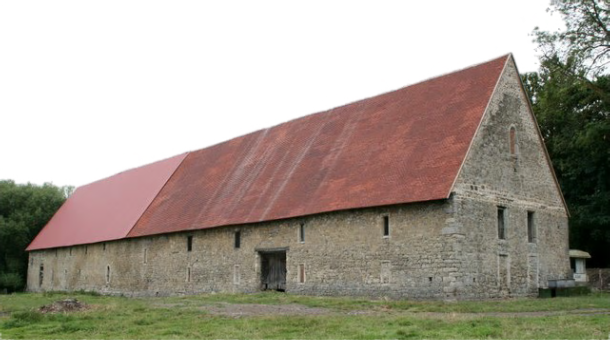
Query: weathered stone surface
[[446, 249]]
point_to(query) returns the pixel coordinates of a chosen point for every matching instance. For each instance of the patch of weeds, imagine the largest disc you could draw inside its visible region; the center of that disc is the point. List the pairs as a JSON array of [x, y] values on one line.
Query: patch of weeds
[[73, 327], [143, 322], [21, 319]]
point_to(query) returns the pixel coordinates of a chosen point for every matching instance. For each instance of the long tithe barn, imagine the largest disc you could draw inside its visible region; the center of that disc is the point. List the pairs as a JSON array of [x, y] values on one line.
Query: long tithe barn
[[438, 190]]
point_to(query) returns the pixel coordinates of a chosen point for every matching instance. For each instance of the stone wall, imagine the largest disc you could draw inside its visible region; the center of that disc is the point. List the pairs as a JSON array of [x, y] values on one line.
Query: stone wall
[[599, 278], [517, 182], [448, 249], [344, 253]]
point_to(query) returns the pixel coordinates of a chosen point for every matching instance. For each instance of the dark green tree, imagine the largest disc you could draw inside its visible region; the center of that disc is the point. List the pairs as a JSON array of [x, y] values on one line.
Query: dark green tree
[[24, 210], [570, 95], [574, 116]]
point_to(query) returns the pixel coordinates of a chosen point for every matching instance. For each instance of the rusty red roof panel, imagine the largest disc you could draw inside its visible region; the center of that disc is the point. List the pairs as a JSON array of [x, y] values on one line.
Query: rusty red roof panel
[[399, 147], [107, 209]]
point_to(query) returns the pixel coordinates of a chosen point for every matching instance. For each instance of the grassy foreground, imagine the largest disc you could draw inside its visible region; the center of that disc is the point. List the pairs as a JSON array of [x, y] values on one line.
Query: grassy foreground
[[194, 317]]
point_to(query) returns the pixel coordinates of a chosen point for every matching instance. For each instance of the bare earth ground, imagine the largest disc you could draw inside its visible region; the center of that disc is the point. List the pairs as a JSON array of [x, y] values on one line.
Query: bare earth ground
[[245, 310]]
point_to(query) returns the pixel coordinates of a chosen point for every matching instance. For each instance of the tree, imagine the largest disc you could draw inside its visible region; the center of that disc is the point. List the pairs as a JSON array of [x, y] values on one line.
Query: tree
[[574, 117], [24, 210], [570, 95], [586, 37]]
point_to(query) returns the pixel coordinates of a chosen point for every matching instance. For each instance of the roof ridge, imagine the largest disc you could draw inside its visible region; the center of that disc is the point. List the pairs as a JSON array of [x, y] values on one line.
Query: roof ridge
[[132, 169], [361, 99]]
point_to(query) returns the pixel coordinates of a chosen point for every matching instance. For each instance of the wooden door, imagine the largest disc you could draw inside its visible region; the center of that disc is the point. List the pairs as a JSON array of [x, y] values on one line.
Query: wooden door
[[273, 271]]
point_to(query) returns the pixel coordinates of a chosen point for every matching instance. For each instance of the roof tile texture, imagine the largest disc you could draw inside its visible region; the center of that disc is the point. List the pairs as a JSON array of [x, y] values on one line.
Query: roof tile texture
[[399, 147]]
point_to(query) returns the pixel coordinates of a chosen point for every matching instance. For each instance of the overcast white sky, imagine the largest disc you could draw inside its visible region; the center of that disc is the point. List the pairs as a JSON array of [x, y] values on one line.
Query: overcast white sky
[[92, 88]]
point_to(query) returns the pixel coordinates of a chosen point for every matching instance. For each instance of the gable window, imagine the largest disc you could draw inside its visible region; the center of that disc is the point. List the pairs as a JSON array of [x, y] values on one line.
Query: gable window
[[189, 243], [501, 223], [531, 227], [302, 233], [386, 226], [512, 134], [237, 239]]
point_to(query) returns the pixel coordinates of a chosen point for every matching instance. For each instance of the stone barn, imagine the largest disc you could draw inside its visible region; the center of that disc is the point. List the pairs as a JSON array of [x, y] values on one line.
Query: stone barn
[[438, 190]]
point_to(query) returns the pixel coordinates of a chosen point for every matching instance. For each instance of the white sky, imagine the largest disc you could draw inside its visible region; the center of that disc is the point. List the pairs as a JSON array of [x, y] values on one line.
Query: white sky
[[92, 88]]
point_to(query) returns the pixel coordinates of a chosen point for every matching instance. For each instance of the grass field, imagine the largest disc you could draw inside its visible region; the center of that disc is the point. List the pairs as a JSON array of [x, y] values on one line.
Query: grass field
[[277, 315]]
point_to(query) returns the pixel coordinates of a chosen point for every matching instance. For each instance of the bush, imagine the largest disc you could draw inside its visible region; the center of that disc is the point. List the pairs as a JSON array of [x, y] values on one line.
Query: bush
[[10, 281]]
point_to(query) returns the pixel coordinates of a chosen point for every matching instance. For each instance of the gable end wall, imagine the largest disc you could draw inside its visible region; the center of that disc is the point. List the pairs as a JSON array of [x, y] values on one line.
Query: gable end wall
[[492, 177]]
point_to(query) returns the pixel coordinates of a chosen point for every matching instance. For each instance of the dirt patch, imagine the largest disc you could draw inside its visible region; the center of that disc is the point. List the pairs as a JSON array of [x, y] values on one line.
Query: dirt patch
[[64, 306], [241, 310]]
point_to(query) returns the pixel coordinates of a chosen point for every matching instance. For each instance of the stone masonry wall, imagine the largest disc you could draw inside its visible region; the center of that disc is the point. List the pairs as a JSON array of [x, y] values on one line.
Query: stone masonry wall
[[344, 253], [491, 178], [446, 249]]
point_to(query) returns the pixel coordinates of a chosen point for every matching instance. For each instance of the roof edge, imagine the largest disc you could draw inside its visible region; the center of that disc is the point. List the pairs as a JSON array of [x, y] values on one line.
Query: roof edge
[[476, 131]]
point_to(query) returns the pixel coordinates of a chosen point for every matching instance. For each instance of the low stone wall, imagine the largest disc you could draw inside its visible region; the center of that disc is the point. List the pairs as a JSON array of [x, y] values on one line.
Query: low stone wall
[[599, 278]]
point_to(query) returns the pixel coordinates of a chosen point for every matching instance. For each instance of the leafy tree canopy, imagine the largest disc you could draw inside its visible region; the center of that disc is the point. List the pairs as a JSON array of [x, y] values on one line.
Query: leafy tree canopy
[[24, 210], [570, 96]]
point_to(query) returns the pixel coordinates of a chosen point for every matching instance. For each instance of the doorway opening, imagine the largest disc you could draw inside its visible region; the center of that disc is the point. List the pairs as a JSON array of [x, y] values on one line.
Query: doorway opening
[[273, 270]]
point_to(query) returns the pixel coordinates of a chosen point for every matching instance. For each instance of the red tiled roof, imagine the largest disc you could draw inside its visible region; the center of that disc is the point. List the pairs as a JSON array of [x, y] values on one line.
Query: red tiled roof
[[399, 147], [107, 209]]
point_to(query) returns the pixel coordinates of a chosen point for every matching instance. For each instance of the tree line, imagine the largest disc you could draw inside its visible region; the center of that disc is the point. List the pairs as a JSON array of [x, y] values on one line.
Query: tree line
[[570, 96], [24, 210]]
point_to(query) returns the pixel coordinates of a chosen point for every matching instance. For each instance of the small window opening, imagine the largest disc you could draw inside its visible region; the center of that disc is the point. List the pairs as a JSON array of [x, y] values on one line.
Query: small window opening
[[501, 224], [302, 273], [70, 251], [386, 226], [430, 279], [188, 274], [474, 279], [86, 250], [237, 239], [104, 246], [531, 227], [189, 243], [302, 232], [145, 255], [41, 274], [107, 274], [513, 140]]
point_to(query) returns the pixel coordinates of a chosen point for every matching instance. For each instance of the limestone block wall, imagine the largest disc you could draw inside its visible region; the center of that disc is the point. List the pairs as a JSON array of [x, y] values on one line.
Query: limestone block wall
[[516, 180], [343, 253]]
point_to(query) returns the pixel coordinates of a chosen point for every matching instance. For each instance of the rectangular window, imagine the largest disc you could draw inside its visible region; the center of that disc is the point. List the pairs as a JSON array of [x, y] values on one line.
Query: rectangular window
[[107, 274], [531, 227], [237, 239], [41, 275], [386, 226], [501, 224], [189, 243], [302, 232], [188, 274], [145, 255], [302, 273]]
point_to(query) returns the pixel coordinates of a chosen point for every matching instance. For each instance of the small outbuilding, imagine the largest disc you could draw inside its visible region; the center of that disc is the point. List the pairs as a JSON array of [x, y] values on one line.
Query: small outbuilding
[[578, 260]]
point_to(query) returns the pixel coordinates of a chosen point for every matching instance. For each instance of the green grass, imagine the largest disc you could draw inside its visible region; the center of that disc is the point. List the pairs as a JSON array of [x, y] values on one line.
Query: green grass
[[186, 318]]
